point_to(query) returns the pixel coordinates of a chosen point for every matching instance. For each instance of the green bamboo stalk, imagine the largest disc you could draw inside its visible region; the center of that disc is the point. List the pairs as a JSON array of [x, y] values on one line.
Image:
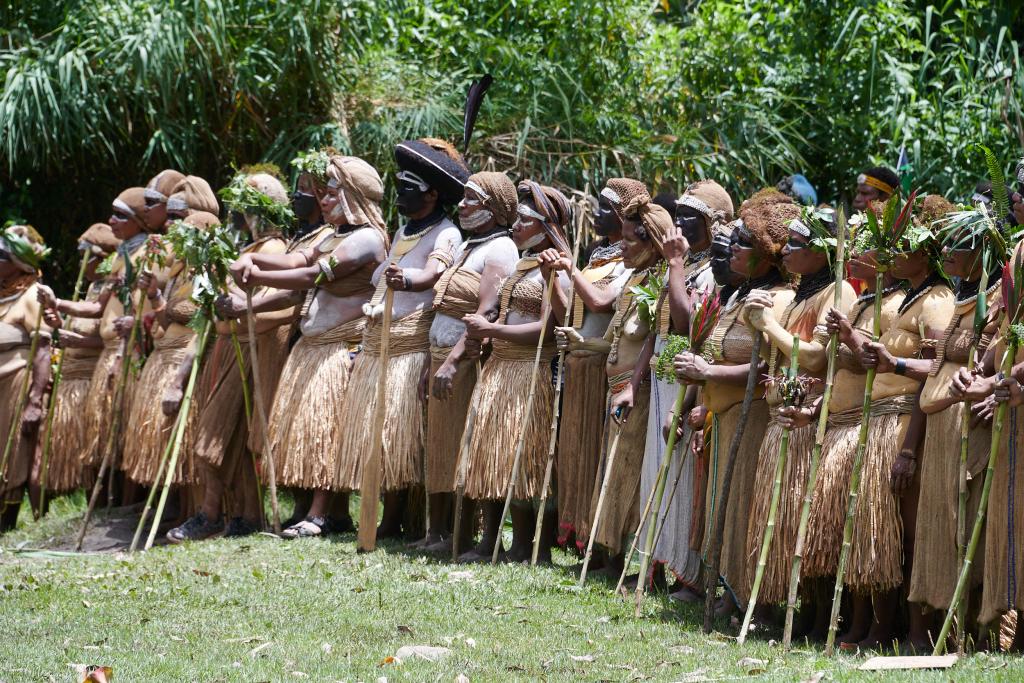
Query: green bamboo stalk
[[714, 551], [648, 551], [979, 521], [855, 474], [183, 410], [773, 508], [819, 437], [596, 523], [52, 403]]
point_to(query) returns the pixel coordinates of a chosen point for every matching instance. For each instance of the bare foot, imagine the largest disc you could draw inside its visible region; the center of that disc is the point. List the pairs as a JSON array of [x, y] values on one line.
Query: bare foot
[[686, 594]]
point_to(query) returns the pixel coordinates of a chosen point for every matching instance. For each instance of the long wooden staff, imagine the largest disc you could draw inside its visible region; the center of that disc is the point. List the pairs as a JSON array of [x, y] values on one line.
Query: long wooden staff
[[151, 496], [369, 487], [819, 435], [670, 448], [714, 552], [556, 410], [118, 414], [644, 516], [527, 414], [661, 522], [179, 433], [261, 414], [52, 403], [460, 471], [773, 509], [15, 427], [595, 524]]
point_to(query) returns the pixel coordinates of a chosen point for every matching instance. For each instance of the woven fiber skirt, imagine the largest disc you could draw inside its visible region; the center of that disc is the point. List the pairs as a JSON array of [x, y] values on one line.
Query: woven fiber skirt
[[936, 568], [579, 438], [70, 440], [733, 562], [446, 421], [147, 429], [306, 421], [273, 354], [19, 459], [775, 584], [99, 408], [1004, 558], [500, 398]]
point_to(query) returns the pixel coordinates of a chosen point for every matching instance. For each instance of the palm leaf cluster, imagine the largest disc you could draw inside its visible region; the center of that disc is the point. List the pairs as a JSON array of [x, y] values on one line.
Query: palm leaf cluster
[[207, 255]]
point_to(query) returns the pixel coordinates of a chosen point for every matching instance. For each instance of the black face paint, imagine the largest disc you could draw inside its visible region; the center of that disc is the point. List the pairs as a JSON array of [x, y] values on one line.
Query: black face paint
[[692, 224], [238, 222], [411, 199], [304, 205], [721, 255], [606, 221]]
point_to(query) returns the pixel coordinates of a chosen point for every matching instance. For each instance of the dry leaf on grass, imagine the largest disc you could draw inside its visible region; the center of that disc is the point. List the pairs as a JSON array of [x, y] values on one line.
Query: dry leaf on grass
[[582, 658], [427, 652], [694, 677], [259, 648]]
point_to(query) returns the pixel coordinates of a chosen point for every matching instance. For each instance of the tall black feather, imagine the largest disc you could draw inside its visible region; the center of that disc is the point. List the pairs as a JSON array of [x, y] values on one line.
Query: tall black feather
[[474, 98]]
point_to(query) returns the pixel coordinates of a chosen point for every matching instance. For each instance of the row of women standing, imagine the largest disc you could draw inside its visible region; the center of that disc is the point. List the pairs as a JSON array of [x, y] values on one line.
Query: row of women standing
[[468, 310]]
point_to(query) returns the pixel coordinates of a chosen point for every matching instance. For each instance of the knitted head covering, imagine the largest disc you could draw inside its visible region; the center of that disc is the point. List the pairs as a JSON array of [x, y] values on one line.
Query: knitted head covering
[[194, 194], [654, 219], [553, 208], [498, 193], [25, 247], [710, 200], [767, 216], [621, 192], [99, 239], [360, 191], [202, 220], [132, 202], [161, 186]]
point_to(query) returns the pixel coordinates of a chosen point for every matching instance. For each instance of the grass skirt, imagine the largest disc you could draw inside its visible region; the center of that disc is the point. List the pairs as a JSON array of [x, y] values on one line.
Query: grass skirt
[[935, 568], [775, 584], [273, 354], [733, 563], [1004, 559], [500, 397], [19, 459], [831, 493], [579, 439], [445, 423], [621, 510], [70, 441], [221, 425], [305, 422], [99, 407], [876, 555], [147, 429]]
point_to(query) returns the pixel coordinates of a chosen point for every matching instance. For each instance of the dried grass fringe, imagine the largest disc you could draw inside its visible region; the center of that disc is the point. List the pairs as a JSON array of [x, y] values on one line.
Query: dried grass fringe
[[220, 415], [99, 407], [579, 439], [273, 354], [935, 567], [445, 423], [19, 460], [70, 440]]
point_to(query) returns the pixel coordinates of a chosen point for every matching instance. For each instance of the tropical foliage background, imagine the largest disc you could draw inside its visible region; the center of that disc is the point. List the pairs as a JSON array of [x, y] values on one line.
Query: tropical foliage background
[[101, 95]]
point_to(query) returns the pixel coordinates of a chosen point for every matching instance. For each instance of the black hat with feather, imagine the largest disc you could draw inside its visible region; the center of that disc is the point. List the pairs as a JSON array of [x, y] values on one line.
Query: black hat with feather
[[430, 163]]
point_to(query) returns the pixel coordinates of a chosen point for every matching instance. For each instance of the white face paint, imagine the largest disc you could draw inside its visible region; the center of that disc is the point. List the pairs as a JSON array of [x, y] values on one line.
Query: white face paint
[[532, 242], [477, 219]]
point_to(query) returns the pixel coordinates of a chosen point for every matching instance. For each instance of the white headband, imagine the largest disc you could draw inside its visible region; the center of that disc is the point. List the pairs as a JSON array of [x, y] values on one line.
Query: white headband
[[695, 204], [479, 190], [526, 211], [119, 204], [798, 227], [176, 203], [155, 195], [611, 195], [413, 179]]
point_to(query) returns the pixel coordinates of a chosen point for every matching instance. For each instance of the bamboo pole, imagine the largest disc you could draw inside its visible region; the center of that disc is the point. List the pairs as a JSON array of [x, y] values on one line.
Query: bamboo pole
[[118, 415], [979, 520], [556, 409], [15, 427], [662, 472], [460, 472], [151, 496], [773, 509], [521, 444], [596, 524], [52, 403], [179, 434], [714, 552], [688, 444], [819, 437], [855, 473], [369, 487], [261, 414], [670, 447]]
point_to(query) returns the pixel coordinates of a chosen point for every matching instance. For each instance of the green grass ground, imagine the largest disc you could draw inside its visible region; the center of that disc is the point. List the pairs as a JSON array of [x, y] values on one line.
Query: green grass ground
[[262, 609]]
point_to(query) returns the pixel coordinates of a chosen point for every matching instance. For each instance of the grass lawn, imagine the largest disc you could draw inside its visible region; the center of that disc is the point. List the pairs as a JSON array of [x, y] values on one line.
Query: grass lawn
[[262, 609]]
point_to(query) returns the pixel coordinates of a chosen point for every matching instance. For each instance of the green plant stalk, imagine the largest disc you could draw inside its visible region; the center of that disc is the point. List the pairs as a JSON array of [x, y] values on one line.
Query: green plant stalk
[[670, 448], [137, 536], [521, 444], [718, 529], [773, 509], [819, 442], [979, 521], [965, 430], [52, 403], [115, 427], [179, 434], [855, 474], [648, 506], [15, 426], [240, 360], [261, 414]]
